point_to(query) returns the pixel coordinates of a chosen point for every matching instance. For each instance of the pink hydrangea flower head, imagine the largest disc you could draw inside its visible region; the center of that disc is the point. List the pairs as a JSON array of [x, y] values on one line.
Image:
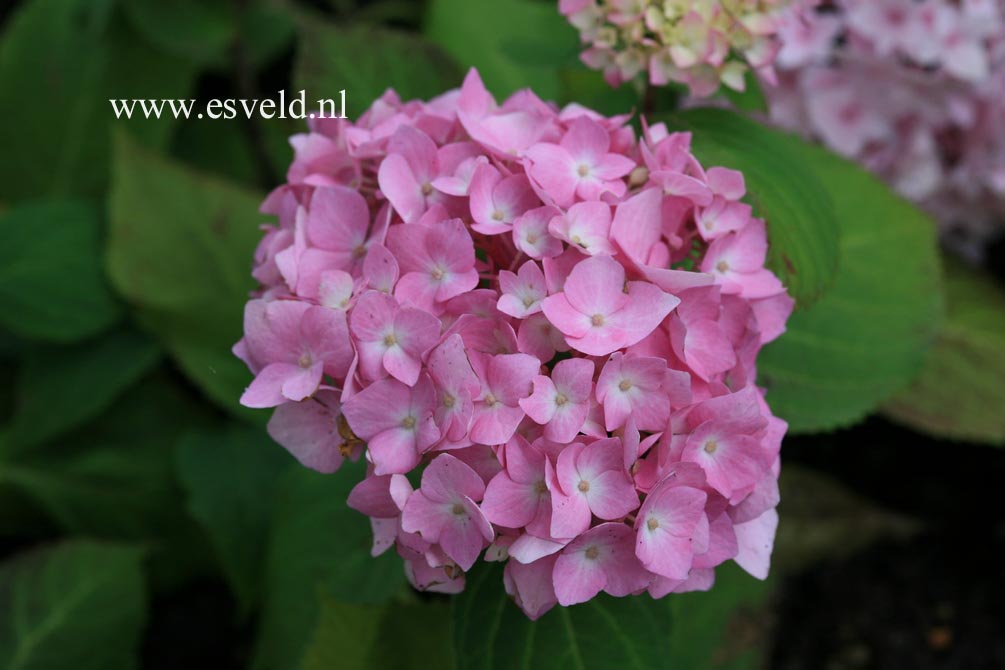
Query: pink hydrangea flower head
[[700, 43], [551, 324], [915, 92]]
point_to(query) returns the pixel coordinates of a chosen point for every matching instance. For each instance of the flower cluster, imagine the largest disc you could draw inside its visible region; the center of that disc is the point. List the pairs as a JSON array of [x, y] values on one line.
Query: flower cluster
[[700, 43], [913, 90], [555, 323]]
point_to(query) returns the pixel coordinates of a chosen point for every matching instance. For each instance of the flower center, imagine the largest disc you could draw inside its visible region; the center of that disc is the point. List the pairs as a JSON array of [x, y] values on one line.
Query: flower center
[[359, 251], [305, 361], [438, 274], [711, 446], [540, 487], [584, 485], [592, 553], [528, 301], [427, 188], [652, 523], [458, 509], [490, 400], [561, 399], [583, 170], [408, 422], [498, 215], [597, 320], [625, 385], [448, 401], [390, 340], [722, 266], [531, 238]]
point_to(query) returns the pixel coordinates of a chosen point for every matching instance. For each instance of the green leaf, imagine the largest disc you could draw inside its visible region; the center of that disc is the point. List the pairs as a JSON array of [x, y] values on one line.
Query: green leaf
[[354, 637], [588, 88], [319, 545], [867, 336], [721, 628], [514, 44], [76, 605], [198, 30], [604, 633], [229, 476], [180, 250], [60, 63], [60, 387], [751, 98], [803, 227], [960, 393], [331, 59], [51, 282]]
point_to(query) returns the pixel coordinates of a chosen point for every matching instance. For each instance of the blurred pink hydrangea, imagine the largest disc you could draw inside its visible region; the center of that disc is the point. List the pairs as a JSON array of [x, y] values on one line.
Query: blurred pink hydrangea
[[555, 323], [700, 43], [915, 91]]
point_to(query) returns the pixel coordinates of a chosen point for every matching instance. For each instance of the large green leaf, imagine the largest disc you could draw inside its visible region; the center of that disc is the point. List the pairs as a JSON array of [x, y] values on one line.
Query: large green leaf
[[199, 30], [721, 628], [514, 43], [960, 393], [802, 219], [230, 477], [491, 633], [51, 282], [60, 63], [319, 546], [331, 59], [180, 251], [76, 605], [59, 387], [354, 636], [867, 336]]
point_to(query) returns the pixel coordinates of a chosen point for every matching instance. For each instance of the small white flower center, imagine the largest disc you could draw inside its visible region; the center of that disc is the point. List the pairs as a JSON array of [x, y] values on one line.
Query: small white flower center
[[561, 399], [625, 385], [305, 361]]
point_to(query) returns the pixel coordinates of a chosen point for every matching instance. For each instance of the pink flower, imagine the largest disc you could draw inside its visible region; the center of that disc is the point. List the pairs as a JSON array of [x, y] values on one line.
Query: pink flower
[[517, 496], [522, 292], [587, 226], [309, 430], [444, 511], [437, 262], [602, 559], [669, 528], [391, 338], [497, 201], [395, 421], [590, 480], [600, 312], [505, 379], [632, 386], [561, 402], [579, 165], [446, 293], [292, 345]]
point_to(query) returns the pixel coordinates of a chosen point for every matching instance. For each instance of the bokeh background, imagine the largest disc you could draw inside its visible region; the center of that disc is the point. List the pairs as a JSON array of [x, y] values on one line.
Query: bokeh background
[[147, 521]]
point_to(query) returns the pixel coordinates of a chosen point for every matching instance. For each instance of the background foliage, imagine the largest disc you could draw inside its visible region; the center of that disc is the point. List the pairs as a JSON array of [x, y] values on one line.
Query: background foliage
[[146, 520]]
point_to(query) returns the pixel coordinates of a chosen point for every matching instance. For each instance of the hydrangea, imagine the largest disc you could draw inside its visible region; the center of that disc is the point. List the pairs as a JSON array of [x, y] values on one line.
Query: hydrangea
[[913, 90], [550, 324], [700, 43]]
